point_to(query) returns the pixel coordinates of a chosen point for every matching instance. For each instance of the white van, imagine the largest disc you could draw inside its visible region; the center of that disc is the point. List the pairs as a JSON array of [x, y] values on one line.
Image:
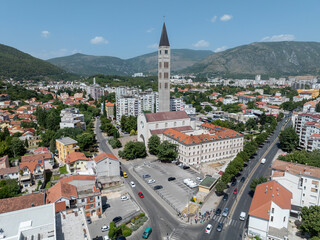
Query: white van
[[242, 216], [263, 161]]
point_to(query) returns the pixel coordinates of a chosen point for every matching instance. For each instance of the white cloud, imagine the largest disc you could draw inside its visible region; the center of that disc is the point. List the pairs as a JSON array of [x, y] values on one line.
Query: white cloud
[[214, 19], [99, 40], [153, 45], [201, 44], [45, 33], [226, 17], [150, 30], [278, 38], [220, 49]]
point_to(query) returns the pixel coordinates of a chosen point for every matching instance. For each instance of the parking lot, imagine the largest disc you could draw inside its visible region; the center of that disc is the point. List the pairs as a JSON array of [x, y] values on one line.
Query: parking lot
[[175, 192], [124, 209]]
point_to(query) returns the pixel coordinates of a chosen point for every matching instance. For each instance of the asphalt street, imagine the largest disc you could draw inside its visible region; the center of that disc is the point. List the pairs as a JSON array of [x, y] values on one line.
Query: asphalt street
[[233, 227]]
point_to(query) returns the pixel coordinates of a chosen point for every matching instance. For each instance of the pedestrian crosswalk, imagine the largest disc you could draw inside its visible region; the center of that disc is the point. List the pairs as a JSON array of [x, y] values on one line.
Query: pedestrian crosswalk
[[229, 222], [178, 232]]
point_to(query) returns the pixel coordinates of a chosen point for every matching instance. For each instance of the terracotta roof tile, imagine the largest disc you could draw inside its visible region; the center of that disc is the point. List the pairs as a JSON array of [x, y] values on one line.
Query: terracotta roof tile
[[165, 116], [296, 168], [103, 156], [4, 171], [21, 202], [60, 206], [61, 189], [266, 193], [78, 178], [36, 157], [161, 131], [76, 156]]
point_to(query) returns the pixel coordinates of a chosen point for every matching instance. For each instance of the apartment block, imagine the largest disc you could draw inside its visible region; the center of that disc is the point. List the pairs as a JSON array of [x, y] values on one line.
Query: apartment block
[[72, 118], [65, 146]]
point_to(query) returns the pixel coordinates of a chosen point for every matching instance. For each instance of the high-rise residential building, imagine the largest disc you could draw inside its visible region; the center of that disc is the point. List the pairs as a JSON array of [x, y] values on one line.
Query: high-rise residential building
[[164, 71], [72, 118]]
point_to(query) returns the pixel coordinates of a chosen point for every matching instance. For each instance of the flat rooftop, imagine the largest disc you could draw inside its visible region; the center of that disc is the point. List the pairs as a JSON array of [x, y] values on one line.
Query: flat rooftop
[[35, 221], [207, 182]]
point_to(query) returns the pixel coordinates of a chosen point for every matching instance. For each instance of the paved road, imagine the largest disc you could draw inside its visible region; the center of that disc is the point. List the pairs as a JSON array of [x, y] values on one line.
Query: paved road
[[233, 227]]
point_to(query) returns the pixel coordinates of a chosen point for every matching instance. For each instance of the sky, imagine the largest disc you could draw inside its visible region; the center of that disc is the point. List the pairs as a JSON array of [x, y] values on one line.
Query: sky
[[129, 28]]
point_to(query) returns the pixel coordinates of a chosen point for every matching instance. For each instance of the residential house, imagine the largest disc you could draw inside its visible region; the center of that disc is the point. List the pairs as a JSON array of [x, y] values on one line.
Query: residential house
[[71, 117], [76, 162], [77, 191], [109, 109], [4, 162], [302, 180], [27, 135], [9, 173], [65, 146], [269, 211], [107, 167]]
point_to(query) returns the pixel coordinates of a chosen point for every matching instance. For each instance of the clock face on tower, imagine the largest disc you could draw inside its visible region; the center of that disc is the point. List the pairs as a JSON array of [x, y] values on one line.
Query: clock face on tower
[[142, 124]]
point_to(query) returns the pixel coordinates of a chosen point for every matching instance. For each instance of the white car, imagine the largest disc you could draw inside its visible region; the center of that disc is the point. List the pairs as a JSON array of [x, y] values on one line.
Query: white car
[[124, 198], [106, 238], [132, 184], [104, 228], [208, 229], [199, 179], [151, 181]]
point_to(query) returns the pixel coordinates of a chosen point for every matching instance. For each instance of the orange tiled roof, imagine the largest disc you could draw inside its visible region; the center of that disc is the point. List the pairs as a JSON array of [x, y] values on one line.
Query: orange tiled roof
[[21, 202], [75, 156], [266, 193], [78, 178], [296, 168], [61, 189], [109, 104], [36, 157], [103, 156]]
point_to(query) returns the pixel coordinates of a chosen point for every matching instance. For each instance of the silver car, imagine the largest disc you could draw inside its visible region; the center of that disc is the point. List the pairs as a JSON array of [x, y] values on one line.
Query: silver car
[[225, 212]]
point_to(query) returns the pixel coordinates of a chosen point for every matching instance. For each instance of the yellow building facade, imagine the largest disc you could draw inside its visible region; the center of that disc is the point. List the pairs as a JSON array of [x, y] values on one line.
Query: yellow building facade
[[314, 92], [65, 146]]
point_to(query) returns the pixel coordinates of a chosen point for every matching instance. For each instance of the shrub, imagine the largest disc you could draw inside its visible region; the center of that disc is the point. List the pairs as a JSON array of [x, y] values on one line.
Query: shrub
[[142, 214], [126, 232]]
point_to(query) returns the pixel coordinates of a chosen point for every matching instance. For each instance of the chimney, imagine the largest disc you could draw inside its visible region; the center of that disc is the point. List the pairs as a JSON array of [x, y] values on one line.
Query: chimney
[[277, 194], [266, 189], [277, 189], [272, 195], [32, 204]]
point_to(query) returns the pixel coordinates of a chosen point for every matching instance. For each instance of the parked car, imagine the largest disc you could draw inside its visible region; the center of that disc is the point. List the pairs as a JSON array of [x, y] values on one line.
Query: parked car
[[185, 167], [104, 228], [174, 161], [106, 237], [89, 220], [220, 226], [225, 212], [235, 191], [225, 197], [157, 187], [180, 164], [151, 181], [146, 176], [105, 206], [208, 229], [140, 194], [171, 179], [242, 179], [124, 198], [132, 184], [199, 179], [233, 183], [218, 211], [117, 219]]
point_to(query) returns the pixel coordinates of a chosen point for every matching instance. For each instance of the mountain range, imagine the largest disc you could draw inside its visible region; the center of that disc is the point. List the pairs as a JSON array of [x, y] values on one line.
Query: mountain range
[[19, 65], [270, 59], [87, 65]]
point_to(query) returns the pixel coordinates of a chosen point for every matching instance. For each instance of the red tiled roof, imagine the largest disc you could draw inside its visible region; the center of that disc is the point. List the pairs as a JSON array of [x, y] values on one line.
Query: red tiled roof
[[36, 157], [4, 171], [78, 178], [60, 206], [161, 131], [103, 156], [21, 202], [76, 156], [266, 193], [4, 159], [61, 189], [41, 150], [165, 116], [109, 104]]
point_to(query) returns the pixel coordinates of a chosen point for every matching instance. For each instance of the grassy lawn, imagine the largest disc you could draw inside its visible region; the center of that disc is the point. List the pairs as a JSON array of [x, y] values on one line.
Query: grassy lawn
[[63, 169], [57, 177]]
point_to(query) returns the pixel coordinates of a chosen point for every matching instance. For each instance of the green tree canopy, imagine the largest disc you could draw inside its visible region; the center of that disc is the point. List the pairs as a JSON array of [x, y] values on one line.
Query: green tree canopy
[[153, 144], [310, 220], [133, 150], [167, 151], [256, 181], [289, 139], [17, 147]]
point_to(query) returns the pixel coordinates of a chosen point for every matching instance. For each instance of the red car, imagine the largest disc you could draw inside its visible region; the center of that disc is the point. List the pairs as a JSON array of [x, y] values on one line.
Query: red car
[[235, 191], [141, 194]]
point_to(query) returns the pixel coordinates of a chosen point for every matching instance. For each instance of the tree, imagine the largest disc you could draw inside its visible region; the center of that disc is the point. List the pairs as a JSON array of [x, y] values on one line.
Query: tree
[[289, 139], [167, 151], [9, 188], [52, 145], [133, 150], [208, 108], [153, 144], [256, 181], [220, 187], [310, 220], [53, 120], [318, 107], [115, 143], [17, 147], [85, 140], [26, 144]]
